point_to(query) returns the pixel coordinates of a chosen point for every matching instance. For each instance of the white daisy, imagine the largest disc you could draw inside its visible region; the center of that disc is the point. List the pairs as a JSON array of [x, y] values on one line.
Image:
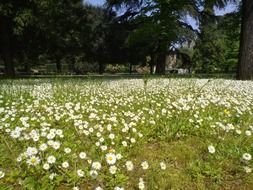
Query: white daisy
[[211, 149], [52, 176], [93, 173], [43, 147], [56, 145], [111, 136], [248, 133], [96, 165], [65, 165], [67, 150], [113, 169], [103, 148], [129, 165], [2, 174], [118, 156], [51, 159], [141, 184], [82, 155], [246, 156], [46, 166], [144, 165], [80, 173], [118, 188], [163, 166], [31, 151], [247, 169], [33, 161], [111, 158]]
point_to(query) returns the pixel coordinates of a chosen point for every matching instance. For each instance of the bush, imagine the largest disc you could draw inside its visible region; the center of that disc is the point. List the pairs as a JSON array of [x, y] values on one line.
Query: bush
[[116, 68], [82, 66]]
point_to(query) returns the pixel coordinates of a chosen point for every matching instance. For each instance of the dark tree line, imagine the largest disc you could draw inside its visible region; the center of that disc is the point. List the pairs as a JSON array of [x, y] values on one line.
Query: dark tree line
[[87, 38], [55, 31]]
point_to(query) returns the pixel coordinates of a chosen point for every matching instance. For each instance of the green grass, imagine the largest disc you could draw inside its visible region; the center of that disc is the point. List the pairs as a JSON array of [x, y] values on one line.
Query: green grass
[[173, 121]]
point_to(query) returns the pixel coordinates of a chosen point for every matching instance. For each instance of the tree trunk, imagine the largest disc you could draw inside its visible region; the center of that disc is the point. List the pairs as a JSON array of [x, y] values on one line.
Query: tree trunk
[[151, 68], [160, 64], [8, 62], [58, 66], [26, 64], [72, 65], [6, 48], [27, 68], [130, 68], [101, 68], [152, 63], [245, 66]]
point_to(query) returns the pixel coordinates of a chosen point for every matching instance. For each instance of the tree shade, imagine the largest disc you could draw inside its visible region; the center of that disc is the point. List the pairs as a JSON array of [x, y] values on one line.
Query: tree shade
[[87, 38]]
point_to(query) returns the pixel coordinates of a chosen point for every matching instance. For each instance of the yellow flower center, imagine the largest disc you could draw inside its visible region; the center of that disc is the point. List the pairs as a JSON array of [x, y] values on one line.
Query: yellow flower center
[[33, 160]]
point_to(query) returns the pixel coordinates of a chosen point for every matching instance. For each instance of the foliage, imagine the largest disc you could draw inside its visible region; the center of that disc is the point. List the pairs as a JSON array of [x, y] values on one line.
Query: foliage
[[217, 49], [116, 68], [53, 29], [121, 32]]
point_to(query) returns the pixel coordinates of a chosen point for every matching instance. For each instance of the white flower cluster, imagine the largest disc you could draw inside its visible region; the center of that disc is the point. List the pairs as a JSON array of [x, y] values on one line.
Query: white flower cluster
[[91, 133]]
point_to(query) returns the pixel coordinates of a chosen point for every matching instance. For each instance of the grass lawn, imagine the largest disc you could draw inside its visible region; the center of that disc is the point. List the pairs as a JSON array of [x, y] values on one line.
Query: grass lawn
[[126, 134]]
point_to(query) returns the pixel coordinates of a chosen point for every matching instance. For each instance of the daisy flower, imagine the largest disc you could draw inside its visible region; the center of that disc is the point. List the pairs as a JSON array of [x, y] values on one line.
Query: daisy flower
[[51, 159], [144, 165], [96, 165], [211, 149], [111, 158], [246, 156]]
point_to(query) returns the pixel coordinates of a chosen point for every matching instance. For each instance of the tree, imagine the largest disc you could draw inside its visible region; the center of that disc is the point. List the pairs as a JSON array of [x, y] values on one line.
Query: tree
[[100, 22], [56, 30], [195, 8], [159, 25], [15, 16], [217, 47], [6, 46], [245, 66], [59, 20], [229, 26], [207, 45]]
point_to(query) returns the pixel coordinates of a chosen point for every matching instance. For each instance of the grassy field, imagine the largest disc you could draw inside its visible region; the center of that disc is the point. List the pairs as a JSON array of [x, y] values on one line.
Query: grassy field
[[152, 134]]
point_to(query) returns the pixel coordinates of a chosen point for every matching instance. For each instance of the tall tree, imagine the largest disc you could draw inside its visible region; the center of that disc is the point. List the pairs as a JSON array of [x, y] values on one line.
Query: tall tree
[[59, 21], [245, 66], [159, 25], [229, 25], [209, 54], [6, 45], [217, 47], [15, 16]]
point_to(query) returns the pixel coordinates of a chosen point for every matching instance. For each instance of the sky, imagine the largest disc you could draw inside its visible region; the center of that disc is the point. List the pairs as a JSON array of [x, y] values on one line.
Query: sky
[[96, 2], [228, 9]]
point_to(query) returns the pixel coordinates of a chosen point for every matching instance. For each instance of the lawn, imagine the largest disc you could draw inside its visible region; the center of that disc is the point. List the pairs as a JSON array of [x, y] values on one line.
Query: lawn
[[152, 134]]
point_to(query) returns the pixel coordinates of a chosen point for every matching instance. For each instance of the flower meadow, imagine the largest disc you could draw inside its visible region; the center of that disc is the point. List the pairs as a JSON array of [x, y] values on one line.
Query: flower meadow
[[126, 134]]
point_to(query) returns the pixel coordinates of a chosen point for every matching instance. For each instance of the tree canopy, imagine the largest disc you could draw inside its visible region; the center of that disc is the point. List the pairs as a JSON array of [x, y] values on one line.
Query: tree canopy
[[75, 37]]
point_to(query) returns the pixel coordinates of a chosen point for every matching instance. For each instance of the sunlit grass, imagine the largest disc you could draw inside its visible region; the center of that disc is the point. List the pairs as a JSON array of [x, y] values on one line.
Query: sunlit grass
[[199, 131]]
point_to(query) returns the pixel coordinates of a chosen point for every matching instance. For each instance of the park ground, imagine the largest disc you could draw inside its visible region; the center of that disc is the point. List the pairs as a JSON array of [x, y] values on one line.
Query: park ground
[[145, 133]]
